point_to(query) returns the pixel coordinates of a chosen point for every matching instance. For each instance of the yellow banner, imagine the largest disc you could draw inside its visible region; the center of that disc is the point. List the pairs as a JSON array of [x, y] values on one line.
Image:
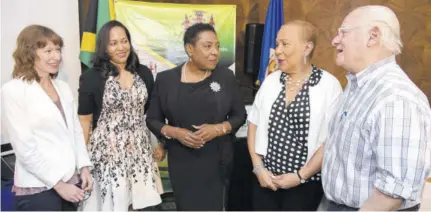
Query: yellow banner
[[157, 30]]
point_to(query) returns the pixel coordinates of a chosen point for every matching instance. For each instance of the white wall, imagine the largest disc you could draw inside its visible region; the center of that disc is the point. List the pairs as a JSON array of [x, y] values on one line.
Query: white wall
[[60, 15]]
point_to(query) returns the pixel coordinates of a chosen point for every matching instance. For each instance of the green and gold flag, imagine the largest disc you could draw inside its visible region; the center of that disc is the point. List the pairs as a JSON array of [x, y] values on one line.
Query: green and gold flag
[[99, 12]]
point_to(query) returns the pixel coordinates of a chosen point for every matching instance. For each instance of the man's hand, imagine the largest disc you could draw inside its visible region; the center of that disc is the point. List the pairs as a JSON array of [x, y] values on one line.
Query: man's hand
[[381, 202]]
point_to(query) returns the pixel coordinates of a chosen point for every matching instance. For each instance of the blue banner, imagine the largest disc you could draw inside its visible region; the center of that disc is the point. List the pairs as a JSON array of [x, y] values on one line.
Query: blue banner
[[274, 20]]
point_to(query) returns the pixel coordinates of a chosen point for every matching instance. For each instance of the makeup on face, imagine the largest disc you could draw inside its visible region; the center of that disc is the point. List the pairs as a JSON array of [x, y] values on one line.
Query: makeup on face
[[119, 46], [48, 59], [206, 51]]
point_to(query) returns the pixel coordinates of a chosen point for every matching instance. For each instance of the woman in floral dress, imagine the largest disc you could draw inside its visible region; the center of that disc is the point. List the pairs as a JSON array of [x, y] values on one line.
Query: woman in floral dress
[[113, 96]]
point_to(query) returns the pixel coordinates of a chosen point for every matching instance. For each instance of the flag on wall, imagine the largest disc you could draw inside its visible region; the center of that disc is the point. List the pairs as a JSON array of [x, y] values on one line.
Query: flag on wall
[[274, 20], [99, 12]]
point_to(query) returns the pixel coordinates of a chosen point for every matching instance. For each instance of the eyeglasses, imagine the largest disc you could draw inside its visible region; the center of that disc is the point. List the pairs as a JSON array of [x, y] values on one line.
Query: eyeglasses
[[342, 31], [86, 196]]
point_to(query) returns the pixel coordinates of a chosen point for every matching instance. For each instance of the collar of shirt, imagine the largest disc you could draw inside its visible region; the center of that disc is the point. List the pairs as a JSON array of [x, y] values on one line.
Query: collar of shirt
[[359, 79]]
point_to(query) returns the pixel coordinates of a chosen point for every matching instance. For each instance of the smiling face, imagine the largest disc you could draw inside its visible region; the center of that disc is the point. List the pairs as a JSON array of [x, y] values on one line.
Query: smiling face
[[118, 47], [350, 43], [48, 59], [205, 53], [291, 47]]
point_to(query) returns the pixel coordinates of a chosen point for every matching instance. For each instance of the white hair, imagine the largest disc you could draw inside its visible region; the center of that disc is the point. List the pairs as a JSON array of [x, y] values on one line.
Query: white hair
[[387, 22]]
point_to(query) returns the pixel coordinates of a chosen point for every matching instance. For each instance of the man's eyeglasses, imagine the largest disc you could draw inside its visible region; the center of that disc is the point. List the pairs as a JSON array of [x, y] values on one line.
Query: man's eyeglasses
[[344, 29]]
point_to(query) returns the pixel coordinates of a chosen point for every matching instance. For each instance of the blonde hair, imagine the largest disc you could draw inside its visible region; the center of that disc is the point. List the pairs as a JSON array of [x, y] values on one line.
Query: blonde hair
[[30, 39], [309, 32]]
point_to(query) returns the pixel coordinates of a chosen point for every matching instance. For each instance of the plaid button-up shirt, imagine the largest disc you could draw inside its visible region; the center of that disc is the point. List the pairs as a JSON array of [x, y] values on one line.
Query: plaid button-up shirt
[[379, 138]]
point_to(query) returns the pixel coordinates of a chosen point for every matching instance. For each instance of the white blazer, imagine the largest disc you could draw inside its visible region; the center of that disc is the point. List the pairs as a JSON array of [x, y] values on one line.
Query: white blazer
[[322, 97], [46, 150]]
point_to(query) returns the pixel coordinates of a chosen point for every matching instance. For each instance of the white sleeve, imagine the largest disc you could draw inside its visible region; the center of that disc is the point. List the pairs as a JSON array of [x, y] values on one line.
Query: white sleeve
[[334, 90], [17, 131], [255, 110], [81, 153]]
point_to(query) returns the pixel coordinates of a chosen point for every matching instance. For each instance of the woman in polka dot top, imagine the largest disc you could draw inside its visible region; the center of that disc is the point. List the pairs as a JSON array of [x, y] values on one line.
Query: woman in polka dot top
[[287, 124]]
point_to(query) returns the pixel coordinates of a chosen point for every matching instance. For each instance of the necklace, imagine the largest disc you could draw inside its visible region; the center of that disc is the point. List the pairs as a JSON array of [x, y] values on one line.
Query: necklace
[[295, 85], [185, 74]]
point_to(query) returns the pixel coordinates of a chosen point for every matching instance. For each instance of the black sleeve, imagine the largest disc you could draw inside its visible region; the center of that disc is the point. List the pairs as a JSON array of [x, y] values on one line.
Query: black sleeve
[[149, 83], [155, 117], [86, 100], [237, 113]]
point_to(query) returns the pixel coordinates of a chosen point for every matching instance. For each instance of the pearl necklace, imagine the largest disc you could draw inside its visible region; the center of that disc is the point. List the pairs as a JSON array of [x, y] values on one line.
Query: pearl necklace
[[295, 85], [185, 75]]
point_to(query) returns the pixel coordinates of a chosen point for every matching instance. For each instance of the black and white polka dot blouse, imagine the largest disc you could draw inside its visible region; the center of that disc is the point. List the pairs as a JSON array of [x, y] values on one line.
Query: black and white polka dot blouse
[[288, 129]]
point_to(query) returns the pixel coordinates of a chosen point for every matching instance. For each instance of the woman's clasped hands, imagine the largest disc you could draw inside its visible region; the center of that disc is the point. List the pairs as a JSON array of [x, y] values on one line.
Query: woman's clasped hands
[[197, 139], [274, 182]]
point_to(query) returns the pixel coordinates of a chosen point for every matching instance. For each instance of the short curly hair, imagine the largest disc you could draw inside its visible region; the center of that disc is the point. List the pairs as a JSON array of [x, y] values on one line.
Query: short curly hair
[[192, 33], [30, 39]]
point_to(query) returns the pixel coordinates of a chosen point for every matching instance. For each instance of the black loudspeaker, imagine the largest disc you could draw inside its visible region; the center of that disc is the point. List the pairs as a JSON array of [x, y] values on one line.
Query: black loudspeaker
[[7, 162], [253, 47]]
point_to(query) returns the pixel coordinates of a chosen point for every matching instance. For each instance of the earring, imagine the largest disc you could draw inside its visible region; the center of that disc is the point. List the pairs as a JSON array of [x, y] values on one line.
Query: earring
[[305, 59], [190, 58]]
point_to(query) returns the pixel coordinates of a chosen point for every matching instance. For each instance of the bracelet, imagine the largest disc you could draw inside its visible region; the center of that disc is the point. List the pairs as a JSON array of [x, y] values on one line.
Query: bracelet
[[218, 130], [258, 167], [166, 136], [224, 129]]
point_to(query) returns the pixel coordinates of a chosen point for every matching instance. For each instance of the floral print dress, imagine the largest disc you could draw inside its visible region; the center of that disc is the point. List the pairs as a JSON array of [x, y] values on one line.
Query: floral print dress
[[120, 149]]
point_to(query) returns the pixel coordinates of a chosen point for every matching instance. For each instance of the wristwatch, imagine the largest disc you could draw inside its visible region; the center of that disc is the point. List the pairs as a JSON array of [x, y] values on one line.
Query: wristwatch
[[300, 178]]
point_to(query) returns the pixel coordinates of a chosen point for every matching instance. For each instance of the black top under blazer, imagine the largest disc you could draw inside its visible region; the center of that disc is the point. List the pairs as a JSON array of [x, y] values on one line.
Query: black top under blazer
[[92, 87], [163, 106]]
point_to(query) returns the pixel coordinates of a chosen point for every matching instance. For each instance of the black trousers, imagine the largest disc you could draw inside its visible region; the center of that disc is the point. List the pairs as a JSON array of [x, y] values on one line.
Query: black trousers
[[304, 197], [45, 201], [339, 207]]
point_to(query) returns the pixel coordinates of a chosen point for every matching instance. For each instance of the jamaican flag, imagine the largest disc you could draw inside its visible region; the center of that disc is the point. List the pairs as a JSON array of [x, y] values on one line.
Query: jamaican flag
[[99, 12]]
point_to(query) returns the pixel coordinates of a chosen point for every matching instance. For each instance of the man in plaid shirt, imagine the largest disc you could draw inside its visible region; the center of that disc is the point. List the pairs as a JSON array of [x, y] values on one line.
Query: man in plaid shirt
[[377, 154]]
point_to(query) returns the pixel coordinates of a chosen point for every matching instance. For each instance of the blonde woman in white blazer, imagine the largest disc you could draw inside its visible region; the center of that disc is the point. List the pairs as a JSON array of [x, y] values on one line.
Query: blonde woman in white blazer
[[39, 119], [287, 125]]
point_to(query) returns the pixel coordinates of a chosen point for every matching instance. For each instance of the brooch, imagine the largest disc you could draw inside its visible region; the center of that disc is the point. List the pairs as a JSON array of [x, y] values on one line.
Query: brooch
[[215, 86]]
